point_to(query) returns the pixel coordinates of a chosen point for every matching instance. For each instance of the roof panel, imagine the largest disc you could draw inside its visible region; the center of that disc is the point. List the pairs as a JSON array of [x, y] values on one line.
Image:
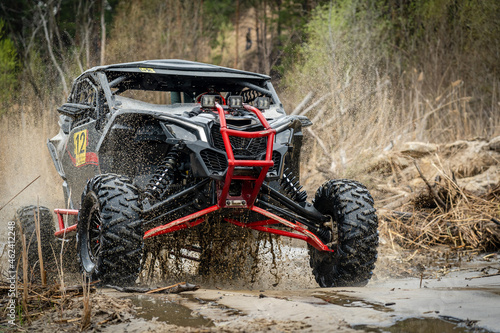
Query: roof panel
[[178, 67]]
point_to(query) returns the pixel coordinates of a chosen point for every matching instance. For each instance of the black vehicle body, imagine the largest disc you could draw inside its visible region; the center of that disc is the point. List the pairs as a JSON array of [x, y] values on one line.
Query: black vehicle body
[[217, 142], [108, 128]]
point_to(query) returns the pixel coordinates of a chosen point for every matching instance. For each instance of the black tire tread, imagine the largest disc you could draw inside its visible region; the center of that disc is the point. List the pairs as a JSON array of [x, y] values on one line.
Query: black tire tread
[[25, 216], [351, 206], [122, 232]]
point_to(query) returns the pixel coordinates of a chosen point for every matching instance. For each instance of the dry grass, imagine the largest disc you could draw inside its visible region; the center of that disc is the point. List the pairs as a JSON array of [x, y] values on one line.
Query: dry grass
[[359, 120], [43, 273], [86, 313], [467, 221], [367, 100], [54, 306], [359, 113]]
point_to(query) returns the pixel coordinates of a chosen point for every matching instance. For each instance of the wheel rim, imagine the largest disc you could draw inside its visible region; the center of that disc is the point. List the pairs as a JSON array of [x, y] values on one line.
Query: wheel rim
[[91, 235], [332, 225], [94, 234]]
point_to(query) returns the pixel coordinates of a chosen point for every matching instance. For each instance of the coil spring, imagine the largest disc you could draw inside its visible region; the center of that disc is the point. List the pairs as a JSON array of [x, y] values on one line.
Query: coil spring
[[324, 234], [291, 186], [162, 178]]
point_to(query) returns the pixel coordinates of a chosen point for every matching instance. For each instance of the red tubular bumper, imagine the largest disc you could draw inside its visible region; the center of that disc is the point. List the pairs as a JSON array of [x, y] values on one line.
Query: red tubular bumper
[[232, 162], [63, 230], [251, 188], [185, 221]]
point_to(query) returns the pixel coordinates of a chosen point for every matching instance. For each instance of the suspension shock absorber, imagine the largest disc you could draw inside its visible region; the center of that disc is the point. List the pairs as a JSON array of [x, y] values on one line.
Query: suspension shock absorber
[[323, 233], [291, 186], [164, 175]]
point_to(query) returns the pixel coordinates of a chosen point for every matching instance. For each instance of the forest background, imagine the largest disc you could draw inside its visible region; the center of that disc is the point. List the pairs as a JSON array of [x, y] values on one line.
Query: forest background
[[371, 74]]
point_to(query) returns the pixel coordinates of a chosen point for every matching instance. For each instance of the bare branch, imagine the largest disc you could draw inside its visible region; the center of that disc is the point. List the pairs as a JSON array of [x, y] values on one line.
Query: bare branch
[[103, 32], [301, 105], [51, 53], [431, 189], [315, 104]]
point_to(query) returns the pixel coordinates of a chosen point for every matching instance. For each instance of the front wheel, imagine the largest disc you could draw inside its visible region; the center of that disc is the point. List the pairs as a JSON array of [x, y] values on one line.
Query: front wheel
[[110, 232], [354, 226]]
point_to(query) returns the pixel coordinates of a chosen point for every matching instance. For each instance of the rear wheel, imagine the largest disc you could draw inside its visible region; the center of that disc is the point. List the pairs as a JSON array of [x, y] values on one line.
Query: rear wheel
[[26, 217], [110, 233], [354, 225]]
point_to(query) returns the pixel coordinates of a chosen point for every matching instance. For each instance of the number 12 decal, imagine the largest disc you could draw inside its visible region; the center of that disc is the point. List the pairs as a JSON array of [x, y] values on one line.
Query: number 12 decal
[[80, 143]]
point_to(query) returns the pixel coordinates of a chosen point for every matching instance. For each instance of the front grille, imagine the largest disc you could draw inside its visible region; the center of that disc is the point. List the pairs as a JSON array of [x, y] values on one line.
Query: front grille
[[276, 159], [213, 160], [242, 147], [218, 162]]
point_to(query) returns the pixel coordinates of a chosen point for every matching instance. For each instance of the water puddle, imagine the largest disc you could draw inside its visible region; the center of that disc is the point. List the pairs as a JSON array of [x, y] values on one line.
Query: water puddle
[[230, 312], [425, 325], [349, 301], [167, 311]]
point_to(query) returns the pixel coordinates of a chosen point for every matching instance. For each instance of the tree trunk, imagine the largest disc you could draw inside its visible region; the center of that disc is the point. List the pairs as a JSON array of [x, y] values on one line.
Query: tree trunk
[[258, 40], [266, 46], [103, 32], [51, 53], [237, 33]]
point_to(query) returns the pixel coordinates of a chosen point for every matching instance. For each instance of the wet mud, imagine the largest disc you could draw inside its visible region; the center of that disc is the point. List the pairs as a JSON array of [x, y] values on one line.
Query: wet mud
[[168, 311]]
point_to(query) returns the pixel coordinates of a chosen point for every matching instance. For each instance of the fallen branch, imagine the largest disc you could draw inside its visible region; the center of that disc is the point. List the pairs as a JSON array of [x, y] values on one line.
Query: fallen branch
[[163, 289], [77, 288], [173, 289], [378, 88], [482, 276], [431, 189], [320, 142], [315, 104]]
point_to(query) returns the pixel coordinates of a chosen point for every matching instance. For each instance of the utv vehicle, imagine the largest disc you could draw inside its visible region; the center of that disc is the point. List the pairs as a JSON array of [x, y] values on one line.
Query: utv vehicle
[[149, 148]]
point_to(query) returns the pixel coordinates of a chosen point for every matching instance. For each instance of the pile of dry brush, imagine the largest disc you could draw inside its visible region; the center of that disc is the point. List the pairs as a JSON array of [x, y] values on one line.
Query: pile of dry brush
[[36, 299], [446, 214]]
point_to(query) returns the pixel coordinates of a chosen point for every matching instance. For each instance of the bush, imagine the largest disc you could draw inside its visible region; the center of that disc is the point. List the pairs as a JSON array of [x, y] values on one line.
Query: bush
[[9, 65]]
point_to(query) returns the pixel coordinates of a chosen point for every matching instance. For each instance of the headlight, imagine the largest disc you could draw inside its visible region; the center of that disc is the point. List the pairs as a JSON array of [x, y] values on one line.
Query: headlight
[[187, 132], [235, 102], [181, 133], [262, 103], [283, 137]]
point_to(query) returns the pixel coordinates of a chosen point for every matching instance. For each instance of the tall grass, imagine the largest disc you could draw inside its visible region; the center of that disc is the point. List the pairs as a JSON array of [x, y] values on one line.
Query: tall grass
[[369, 102]]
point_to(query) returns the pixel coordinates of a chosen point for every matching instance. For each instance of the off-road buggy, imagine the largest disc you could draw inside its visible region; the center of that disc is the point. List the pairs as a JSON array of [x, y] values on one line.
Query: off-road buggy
[[164, 145]]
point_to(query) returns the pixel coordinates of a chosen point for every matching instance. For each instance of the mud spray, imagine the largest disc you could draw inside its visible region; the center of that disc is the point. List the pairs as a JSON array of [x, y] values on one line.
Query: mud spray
[[220, 255]]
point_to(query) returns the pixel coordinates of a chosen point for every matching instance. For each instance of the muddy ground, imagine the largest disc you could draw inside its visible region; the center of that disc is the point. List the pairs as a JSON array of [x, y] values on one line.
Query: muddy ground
[[411, 291]]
